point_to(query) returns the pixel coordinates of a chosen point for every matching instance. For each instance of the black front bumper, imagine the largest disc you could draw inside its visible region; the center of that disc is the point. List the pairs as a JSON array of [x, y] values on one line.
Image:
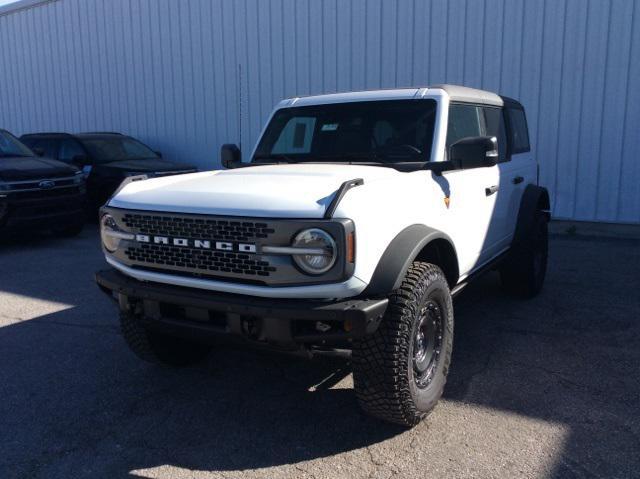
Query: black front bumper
[[193, 312]]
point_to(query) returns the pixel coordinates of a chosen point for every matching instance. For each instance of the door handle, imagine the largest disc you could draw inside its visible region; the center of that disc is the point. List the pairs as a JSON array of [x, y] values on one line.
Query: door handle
[[517, 180], [491, 190]]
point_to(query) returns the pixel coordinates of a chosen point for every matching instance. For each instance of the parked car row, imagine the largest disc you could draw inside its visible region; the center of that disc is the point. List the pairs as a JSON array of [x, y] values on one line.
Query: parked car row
[[38, 192], [53, 181]]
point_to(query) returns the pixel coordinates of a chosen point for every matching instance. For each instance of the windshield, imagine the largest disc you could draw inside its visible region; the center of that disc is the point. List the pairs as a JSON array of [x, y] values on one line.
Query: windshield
[[11, 146], [382, 132], [117, 148]]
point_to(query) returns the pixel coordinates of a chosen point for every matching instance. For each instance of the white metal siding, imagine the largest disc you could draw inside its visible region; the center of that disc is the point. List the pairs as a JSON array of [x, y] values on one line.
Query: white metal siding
[[166, 71]]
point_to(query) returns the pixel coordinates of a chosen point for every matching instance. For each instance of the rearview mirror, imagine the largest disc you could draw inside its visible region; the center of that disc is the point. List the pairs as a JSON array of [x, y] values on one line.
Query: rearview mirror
[[159, 153], [474, 152], [38, 151], [230, 155]]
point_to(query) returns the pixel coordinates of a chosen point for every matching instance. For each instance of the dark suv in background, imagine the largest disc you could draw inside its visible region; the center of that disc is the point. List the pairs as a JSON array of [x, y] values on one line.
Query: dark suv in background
[[105, 158], [38, 193]]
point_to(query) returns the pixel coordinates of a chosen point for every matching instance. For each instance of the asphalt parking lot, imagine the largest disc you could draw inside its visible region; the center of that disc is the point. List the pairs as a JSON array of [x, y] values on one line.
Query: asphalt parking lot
[[542, 388]]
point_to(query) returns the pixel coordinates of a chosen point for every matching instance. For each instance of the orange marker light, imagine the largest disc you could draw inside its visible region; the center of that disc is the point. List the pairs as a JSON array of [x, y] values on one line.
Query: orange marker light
[[351, 251], [348, 326]]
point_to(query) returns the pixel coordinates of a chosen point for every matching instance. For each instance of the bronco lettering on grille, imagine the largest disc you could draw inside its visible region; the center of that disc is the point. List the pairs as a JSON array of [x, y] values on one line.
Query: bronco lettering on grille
[[200, 244]]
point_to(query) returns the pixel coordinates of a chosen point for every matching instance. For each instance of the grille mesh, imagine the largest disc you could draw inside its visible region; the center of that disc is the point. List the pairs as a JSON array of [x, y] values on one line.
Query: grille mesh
[[197, 228], [35, 185], [197, 260], [43, 194], [202, 260], [188, 244]]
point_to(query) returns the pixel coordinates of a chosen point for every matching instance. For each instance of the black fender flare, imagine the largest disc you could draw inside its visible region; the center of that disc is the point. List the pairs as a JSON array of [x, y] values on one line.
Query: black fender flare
[[399, 255], [534, 198]]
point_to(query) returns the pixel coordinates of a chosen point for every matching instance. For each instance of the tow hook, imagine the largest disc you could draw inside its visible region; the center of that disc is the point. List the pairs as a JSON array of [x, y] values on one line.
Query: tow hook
[[251, 327]]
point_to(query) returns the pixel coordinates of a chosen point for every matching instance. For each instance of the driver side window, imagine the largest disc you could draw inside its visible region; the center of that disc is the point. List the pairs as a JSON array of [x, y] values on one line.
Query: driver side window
[[464, 121], [494, 118], [68, 150]]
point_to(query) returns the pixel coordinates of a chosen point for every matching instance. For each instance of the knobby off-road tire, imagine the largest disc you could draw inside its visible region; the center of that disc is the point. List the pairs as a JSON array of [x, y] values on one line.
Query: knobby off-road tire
[[158, 348], [523, 272], [388, 382]]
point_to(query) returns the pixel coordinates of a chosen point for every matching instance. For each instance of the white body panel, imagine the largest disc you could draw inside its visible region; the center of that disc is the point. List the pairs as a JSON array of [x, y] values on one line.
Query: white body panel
[[269, 191], [479, 225], [522, 165], [387, 203]]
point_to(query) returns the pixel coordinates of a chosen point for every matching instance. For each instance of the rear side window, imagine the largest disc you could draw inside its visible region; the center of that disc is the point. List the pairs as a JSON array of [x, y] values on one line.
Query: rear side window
[[518, 130], [495, 126]]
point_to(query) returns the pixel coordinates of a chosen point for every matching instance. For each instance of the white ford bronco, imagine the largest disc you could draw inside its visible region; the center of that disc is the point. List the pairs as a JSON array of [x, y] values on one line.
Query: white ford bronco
[[356, 219]]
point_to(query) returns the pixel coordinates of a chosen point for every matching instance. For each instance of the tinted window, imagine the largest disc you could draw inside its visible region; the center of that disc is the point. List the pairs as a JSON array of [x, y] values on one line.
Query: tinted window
[[518, 130], [374, 131], [69, 149], [11, 146], [49, 146], [495, 126], [116, 148], [295, 136], [464, 121]]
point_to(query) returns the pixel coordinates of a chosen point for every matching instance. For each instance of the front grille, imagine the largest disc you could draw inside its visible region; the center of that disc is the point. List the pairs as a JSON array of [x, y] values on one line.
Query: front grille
[[224, 248], [186, 227], [35, 185], [44, 194], [32, 205], [200, 260]]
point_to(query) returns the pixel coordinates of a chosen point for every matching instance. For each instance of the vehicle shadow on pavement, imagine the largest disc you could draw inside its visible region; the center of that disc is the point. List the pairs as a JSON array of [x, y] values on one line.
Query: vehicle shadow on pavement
[[75, 402], [75, 399]]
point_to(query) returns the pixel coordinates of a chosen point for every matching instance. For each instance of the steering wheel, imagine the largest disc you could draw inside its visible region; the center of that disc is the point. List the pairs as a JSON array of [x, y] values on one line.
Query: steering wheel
[[415, 149], [405, 146]]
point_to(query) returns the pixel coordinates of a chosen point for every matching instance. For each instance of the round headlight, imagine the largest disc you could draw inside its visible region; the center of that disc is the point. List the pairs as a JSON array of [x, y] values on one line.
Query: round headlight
[[108, 226], [322, 251]]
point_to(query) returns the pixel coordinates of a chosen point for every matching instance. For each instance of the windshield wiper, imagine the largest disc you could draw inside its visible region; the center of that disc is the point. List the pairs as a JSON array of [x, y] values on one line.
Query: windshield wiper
[[354, 158], [276, 158]]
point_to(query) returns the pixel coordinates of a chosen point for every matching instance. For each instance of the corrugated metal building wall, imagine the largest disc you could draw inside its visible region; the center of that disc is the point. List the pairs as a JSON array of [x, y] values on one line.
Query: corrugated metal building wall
[[166, 71]]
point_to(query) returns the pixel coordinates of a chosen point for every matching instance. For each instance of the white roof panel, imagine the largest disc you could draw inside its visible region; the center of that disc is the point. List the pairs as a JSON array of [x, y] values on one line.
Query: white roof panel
[[455, 92]]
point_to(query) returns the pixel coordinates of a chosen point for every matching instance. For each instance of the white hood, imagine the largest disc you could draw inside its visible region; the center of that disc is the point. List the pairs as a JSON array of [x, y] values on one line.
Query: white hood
[[283, 191]]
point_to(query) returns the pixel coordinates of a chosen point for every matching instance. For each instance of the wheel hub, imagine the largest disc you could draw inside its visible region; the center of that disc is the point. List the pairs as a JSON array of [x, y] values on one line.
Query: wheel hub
[[427, 343]]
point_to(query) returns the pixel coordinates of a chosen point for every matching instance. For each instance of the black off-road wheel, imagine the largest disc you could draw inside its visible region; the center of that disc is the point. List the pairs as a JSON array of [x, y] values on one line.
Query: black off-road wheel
[[523, 272], [159, 348], [400, 371]]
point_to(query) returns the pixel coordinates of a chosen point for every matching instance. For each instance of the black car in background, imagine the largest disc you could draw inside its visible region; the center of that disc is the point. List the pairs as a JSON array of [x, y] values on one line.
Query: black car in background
[[38, 193], [105, 158]]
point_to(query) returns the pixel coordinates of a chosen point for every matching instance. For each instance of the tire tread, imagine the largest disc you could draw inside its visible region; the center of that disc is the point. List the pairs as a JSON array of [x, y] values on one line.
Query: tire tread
[[381, 377]]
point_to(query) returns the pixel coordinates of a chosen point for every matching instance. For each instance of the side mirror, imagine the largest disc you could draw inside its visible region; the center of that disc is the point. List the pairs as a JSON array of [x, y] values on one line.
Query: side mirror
[[230, 155], [474, 152], [38, 151], [159, 153], [80, 160]]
